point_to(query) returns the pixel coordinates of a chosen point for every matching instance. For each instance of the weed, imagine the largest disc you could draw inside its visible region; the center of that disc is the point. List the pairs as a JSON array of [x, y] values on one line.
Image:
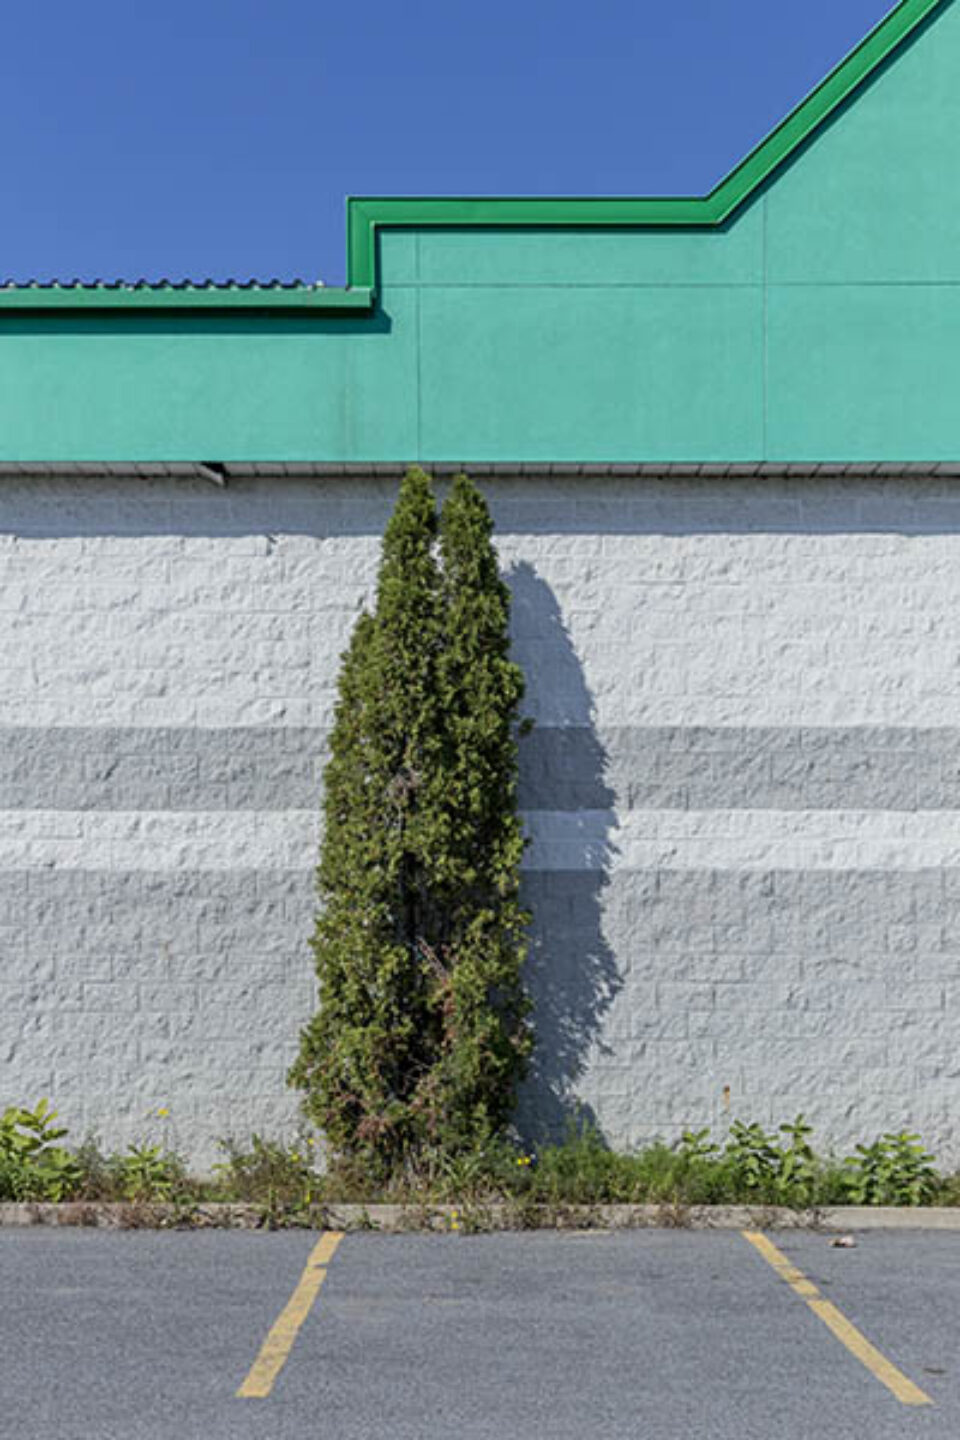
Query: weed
[[147, 1172], [32, 1165], [894, 1170]]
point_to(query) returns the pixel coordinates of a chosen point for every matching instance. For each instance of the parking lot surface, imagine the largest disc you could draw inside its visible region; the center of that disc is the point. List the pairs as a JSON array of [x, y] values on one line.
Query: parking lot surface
[[662, 1334]]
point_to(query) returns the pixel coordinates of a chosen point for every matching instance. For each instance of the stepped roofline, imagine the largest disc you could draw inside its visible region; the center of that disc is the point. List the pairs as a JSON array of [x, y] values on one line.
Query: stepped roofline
[[368, 215]]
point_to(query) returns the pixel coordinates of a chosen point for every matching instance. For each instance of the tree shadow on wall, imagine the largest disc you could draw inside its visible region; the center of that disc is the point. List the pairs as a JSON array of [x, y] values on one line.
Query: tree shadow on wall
[[571, 971]]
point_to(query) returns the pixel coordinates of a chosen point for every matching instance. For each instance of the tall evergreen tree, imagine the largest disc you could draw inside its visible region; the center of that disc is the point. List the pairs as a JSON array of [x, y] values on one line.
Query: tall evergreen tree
[[474, 868], [362, 1054], [421, 1035]]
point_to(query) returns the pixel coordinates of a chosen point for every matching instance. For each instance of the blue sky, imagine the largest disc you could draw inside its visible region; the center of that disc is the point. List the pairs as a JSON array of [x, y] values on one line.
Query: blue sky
[[219, 138]]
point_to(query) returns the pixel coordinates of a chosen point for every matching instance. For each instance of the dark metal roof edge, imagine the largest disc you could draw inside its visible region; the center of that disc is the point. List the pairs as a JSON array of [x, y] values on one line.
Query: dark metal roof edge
[[479, 469]]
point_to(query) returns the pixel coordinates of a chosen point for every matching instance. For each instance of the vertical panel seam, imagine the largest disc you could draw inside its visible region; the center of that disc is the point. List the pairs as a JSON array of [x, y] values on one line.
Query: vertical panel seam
[[764, 382], [419, 375]]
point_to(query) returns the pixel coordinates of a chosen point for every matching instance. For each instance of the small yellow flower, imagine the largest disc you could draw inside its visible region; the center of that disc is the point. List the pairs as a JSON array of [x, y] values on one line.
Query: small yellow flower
[[295, 1155], [162, 1113]]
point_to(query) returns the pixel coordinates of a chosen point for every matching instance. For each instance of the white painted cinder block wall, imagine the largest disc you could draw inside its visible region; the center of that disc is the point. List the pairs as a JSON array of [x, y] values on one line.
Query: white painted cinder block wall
[[743, 795]]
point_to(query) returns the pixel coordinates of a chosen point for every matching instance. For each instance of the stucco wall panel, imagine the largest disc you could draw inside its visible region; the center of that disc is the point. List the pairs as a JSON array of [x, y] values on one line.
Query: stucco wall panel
[[507, 368], [869, 201], [218, 387], [596, 259], [859, 357]]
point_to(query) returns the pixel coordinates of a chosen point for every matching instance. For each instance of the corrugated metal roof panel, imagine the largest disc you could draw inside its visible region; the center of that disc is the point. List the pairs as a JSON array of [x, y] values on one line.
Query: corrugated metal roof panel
[[161, 284]]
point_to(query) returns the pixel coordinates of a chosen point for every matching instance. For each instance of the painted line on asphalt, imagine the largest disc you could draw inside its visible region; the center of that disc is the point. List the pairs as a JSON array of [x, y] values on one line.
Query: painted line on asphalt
[[848, 1335], [278, 1344]]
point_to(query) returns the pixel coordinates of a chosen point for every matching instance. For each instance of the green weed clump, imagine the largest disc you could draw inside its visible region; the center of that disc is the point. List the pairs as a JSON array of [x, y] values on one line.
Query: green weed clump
[[32, 1165], [282, 1178], [752, 1168], [141, 1174], [35, 1167], [894, 1170]]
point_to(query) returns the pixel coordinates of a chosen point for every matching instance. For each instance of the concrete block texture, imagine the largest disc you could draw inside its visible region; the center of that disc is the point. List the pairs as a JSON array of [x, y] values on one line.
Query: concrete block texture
[[742, 794]]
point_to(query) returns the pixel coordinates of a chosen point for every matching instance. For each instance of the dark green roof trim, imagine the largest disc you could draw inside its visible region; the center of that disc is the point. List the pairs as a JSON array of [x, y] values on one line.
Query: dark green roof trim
[[365, 216]]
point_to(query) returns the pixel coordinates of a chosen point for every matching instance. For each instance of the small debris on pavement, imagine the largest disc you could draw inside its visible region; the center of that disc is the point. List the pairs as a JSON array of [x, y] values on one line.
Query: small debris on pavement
[[844, 1242]]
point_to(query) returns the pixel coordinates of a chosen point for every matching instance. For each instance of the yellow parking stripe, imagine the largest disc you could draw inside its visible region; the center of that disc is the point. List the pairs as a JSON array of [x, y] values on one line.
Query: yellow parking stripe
[[278, 1344], [896, 1382]]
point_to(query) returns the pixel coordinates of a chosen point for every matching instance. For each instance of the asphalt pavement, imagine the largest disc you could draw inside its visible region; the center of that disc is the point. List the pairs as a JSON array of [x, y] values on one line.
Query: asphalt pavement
[[663, 1334]]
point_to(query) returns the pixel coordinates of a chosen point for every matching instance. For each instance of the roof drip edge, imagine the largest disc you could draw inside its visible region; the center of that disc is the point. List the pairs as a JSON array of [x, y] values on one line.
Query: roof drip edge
[[345, 470]]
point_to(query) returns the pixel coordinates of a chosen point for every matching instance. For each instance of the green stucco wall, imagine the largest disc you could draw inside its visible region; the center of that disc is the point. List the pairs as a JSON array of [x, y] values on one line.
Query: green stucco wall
[[821, 324]]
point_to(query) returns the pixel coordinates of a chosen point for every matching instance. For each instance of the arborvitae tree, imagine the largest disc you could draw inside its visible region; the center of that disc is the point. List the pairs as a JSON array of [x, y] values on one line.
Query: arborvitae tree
[[473, 869], [363, 1054], [421, 1035]]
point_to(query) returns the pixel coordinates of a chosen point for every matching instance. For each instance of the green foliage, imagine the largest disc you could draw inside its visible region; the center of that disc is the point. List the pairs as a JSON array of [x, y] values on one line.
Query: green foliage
[[697, 1145], [752, 1167], [32, 1165], [278, 1175], [421, 1034], [753, 1156], [147, 1172], [477, 944], [363, 1053], [288, 1182], [783, 1173], [894, 1170], [797, 1168]]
